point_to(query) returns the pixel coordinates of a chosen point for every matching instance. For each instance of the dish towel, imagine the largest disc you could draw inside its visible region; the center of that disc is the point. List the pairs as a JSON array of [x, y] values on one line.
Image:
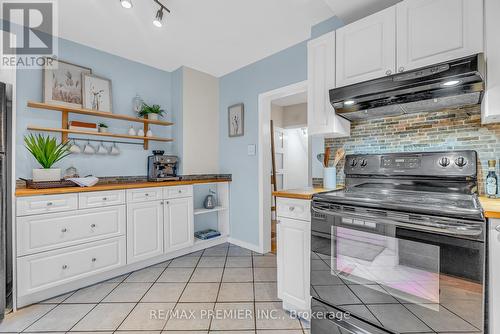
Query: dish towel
[[88, 181]]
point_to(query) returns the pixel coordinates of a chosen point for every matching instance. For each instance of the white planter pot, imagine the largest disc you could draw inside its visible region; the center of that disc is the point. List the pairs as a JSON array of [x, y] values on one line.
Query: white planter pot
[[153, 117], [103, 130], [46, 174]]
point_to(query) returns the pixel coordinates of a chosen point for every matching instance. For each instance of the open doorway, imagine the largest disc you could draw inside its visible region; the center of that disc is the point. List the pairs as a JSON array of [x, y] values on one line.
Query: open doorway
[[287, 106]]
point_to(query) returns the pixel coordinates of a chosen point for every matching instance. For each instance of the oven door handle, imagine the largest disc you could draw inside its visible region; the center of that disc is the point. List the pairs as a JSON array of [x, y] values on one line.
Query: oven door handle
[[409, 221]]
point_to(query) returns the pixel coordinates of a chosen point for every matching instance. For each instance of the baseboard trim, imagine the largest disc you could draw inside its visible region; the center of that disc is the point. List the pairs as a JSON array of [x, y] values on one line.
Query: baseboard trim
[[244, 244]]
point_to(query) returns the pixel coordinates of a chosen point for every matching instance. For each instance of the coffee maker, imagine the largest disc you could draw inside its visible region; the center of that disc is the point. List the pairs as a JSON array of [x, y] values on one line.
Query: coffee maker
[[162, 167]]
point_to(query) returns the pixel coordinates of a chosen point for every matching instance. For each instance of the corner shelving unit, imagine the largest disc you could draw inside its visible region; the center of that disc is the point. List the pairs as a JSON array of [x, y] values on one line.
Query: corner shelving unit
[[65, 131], [216, 218]]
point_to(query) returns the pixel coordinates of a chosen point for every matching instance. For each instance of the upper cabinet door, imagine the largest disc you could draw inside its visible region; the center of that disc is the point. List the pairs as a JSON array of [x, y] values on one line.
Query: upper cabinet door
[[434, 31], [321, 117], [366, 49]]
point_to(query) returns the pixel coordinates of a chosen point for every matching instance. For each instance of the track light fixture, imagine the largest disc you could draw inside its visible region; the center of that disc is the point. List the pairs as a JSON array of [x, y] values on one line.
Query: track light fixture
[[158, 20], [126, 3]]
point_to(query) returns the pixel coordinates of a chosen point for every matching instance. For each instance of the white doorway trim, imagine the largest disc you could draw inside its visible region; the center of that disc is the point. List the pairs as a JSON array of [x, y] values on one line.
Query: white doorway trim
[[264, 155]]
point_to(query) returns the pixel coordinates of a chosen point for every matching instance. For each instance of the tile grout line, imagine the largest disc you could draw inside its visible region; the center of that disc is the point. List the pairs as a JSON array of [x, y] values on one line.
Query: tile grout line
[[185, 286], [220, 285], [137, 303]]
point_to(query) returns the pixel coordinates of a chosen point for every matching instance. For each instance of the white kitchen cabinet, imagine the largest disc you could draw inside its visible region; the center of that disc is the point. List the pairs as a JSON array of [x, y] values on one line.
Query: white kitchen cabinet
[[49, 269], [293, 259], [321, 117], [99, 199], [366, 49], [434, 31], [144, 230], [179, 226], [494, 275], [34, 205], [39, 233], [491, 102]]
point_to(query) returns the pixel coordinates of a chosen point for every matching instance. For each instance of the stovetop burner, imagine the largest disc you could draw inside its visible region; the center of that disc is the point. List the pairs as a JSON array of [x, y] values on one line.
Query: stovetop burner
[[414, 183]]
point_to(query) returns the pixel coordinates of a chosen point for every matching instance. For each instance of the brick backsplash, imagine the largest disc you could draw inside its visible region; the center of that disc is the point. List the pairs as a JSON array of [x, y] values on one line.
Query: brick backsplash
[[450, 129]]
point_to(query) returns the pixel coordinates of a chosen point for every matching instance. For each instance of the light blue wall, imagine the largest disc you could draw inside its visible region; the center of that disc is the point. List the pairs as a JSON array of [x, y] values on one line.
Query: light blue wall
[[326, 26], [245, 85], [128, 79]]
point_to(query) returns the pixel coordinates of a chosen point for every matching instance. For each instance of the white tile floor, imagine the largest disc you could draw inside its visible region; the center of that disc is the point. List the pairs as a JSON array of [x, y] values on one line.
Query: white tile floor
[[222, 278]]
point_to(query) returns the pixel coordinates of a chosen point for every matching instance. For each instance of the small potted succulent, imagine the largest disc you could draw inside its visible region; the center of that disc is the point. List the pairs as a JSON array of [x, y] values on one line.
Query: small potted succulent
[[103, 128], [151, 112], [47, 152]]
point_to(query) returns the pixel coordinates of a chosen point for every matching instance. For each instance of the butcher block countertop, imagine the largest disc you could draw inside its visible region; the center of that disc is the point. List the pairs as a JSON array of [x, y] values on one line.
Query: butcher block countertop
[[491, 207], [186, 180], [304, 193]]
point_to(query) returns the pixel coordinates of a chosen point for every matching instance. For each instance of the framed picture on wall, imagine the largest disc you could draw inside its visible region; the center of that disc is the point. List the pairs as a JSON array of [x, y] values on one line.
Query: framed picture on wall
[[236, 120], [62, 83], [97, 93]]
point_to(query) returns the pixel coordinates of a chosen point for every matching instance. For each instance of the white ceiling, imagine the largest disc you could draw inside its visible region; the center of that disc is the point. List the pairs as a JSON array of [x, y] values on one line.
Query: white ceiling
[[216, 36]]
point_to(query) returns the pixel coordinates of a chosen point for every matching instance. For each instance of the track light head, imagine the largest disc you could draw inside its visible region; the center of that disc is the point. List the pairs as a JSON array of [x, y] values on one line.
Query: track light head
[[157, 22], [126, 4]]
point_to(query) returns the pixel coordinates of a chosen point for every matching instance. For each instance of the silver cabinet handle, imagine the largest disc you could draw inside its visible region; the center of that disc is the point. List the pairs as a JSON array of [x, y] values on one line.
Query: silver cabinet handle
[[401, 69], [146, 194], [64, 230], [104, 198], [50, 203], [94, 259], [292, 208], [497, 228], [388, 72], [65, 266], [93, 225]]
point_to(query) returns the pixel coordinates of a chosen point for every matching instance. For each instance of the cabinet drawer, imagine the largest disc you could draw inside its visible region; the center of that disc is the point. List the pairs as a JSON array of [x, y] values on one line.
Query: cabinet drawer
[[294, 208], [46, 204], [46, 270], [45, 232], [144, 195], [178, 192], [101, 198]]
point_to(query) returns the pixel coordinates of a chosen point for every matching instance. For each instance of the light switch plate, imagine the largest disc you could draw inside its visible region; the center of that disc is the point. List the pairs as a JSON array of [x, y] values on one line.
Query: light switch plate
[[251, 149]]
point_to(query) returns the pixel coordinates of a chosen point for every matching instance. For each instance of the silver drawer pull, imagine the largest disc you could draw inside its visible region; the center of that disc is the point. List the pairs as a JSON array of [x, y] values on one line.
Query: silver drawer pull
[[497, 228], [291, 208], [104, 198], [388, 72], [65, 266], [180, 191], [93, 225], [64, 230], [50, 203], [94, 259], [146, 194]]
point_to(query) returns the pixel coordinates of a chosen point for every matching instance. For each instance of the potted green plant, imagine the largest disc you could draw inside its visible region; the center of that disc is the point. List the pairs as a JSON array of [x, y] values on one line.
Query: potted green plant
[[47, 152], [103, 128], [151, 112]]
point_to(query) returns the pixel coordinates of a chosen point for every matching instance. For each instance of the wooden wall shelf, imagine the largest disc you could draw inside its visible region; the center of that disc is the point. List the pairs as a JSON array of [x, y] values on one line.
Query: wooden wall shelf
[[91, 133], [64, 130]]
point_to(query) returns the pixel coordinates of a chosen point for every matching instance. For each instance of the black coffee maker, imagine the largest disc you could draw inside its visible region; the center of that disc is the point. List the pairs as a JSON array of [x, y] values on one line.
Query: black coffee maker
[[162, 167]]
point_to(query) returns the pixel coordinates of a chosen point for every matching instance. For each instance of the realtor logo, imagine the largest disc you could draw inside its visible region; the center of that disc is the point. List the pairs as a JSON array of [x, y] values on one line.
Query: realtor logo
[[28, 32]]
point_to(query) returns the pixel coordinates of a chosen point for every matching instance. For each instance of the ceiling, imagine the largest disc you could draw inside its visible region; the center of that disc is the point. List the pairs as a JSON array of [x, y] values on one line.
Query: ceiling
[[216, 36]]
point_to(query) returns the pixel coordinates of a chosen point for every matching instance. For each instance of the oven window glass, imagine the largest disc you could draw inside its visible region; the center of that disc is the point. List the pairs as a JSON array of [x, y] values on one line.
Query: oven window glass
[[399, 279]]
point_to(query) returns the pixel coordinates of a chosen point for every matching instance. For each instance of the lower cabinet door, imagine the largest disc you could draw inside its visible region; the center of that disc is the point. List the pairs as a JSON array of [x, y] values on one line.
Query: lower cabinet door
[[49, 269], [293, 238], [179, 224], [144, 230]]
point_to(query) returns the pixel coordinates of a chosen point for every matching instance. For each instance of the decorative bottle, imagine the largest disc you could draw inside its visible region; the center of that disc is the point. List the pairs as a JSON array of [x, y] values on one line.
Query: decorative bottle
[[492, 180]]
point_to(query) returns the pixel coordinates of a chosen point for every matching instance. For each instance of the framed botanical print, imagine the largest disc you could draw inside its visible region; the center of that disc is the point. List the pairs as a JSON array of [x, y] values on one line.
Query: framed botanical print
[[236, 120], [62, 83], [97, 93]]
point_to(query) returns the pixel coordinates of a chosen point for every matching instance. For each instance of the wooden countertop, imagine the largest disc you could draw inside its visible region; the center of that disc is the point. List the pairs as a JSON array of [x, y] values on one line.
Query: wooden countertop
[[21, 192], [491, 206], [304, 193]]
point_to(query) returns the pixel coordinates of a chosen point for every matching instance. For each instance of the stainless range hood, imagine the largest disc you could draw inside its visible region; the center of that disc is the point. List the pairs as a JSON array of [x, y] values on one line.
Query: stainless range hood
[[447, 85]]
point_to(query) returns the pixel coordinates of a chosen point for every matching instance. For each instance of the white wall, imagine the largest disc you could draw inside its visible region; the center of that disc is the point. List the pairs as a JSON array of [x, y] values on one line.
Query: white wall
[[295, 116], [296, 159], [277, 115], [200, 122]]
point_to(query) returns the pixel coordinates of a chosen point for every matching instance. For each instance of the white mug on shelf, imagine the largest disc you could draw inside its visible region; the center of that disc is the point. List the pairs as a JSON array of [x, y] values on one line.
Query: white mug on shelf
[[150, 133], [102, 150], [140, 133], [74, 148], [88, 149], [114, 150], [131, 131]]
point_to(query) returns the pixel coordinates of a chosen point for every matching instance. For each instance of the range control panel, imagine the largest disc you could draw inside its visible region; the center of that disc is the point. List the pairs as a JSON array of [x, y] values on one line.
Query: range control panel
[[442, 164]]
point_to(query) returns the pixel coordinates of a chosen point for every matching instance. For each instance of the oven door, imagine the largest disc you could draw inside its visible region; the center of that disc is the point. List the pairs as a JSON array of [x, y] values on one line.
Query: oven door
[[397, 276]]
